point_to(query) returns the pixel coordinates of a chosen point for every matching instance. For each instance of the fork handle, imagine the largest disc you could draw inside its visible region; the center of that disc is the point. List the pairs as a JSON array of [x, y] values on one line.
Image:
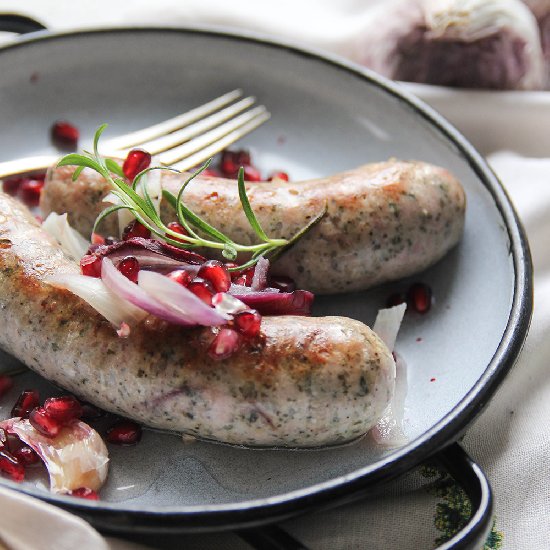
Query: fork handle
[[25, 165]]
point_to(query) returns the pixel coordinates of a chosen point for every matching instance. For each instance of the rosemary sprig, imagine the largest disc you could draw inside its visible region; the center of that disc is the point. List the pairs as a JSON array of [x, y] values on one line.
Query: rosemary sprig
[[200, 232]]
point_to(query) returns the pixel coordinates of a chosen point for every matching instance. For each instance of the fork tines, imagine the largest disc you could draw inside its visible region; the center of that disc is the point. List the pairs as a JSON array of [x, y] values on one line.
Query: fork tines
[[188, 139]]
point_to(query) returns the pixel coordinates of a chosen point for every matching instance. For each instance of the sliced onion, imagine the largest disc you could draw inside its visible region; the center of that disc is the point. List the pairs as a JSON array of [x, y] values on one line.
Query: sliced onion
[[96, 293], [151, 261], [241, 289], [178, 299], [387, 324], [225, 304], [388, 431], [259, 279], [76, 457], [72, 243], [152, 251], [123, 288], [298, 302]]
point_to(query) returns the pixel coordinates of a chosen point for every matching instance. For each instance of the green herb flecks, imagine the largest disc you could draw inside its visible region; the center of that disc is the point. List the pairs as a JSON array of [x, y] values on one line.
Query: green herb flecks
[[200, 233]]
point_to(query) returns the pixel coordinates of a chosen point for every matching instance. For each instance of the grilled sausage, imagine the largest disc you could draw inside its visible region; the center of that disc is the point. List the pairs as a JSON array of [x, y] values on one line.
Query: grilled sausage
[[384, 221], [308, 382]]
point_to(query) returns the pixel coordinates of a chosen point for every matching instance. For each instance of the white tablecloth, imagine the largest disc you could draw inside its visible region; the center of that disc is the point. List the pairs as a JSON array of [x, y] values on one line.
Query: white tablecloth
[[511, 440]]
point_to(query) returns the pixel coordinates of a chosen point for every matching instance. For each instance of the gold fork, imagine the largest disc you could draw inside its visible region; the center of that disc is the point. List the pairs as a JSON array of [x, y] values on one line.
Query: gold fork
[[180, 142]]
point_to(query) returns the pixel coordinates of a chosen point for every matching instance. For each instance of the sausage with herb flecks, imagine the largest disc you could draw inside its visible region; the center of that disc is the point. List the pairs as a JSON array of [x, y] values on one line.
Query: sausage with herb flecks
[[384, 221], [308, 382]]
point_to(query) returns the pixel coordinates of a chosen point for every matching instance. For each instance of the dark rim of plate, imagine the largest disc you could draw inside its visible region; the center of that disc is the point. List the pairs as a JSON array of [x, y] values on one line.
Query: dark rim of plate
[[113, 517]]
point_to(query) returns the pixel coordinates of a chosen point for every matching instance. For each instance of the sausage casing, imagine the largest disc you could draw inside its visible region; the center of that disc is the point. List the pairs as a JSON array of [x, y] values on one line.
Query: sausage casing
[[384, 221], [308, 382]]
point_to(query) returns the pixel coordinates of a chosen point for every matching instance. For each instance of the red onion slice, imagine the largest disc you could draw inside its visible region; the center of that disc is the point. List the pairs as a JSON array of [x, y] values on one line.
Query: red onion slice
[[178, 299], [298, 302], [225, 304], [123, 288], [116, 310], [153, 261], [76, 457], [138, 245], [259, 279]]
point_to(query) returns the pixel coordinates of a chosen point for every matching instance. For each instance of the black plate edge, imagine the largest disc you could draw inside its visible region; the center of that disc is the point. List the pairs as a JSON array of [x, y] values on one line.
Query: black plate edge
[[350, 487]]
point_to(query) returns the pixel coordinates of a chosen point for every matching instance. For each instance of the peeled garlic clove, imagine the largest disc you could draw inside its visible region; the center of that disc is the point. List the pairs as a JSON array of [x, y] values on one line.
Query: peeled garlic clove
[[76, 457]]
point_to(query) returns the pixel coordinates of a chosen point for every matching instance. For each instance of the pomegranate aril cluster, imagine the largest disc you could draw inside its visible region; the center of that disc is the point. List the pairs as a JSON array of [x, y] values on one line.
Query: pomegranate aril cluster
[[52, 416], [26, 402], [26, 188], [135, 229], [418, 298], [231, 161], [15, 456]]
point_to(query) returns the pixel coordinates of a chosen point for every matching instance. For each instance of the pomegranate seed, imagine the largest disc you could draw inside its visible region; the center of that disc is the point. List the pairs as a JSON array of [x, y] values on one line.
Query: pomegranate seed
[[84, 492], [44, 423], [395, 299], [279, 176], [124, 432], [129, 267], [135, 229], [30, 191], [27, 401], [177, 228], [90, 265], [225, 343], [136, 161], [231, 161], [97, 239], [242, 157], [283, 283], [216, 274], [180, 276], [89, 412], [229, 169], [419, 297], [248, 323], [11, 466], [26, 455], [202, 289], [252, 174], [65, 135], [63, 409], [11, 186], [248, 274], [6, 384]]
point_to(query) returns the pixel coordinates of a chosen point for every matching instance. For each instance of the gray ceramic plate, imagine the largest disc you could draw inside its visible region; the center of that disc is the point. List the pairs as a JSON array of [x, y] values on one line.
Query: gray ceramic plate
[[328, 116]]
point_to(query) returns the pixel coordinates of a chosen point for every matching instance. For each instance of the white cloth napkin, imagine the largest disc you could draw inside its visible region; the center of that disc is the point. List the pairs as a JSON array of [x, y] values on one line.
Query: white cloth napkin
[[510, 441]]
